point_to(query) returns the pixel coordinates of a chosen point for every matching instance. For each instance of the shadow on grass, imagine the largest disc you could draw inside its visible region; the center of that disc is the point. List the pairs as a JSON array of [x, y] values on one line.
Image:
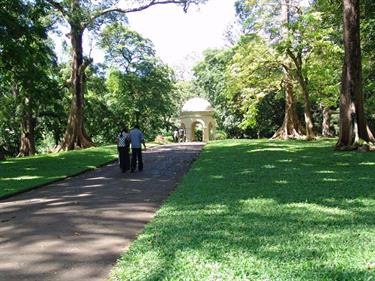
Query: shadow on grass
[[263, 211], [76, 229], [20, 174]]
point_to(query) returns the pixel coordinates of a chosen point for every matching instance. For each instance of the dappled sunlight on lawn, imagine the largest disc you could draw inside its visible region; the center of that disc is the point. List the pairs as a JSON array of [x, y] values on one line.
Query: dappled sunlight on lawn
[[20, 174], [367, 164], [24, 177], [263, 210]]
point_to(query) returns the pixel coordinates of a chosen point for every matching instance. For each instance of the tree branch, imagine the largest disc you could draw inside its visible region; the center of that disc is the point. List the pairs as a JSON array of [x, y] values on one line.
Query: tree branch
[[86, 63], [136, 9], [292, 56], [56, 6]]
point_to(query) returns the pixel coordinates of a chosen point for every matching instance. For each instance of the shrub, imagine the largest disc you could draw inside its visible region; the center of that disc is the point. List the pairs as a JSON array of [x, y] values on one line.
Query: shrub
[[220, 135]]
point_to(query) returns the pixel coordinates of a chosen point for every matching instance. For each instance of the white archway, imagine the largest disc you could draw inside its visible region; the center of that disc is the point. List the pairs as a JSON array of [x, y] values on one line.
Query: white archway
[[198, 111]]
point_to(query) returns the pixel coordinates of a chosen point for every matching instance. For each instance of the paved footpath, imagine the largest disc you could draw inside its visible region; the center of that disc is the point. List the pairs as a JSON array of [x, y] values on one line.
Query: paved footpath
[[77, 228]]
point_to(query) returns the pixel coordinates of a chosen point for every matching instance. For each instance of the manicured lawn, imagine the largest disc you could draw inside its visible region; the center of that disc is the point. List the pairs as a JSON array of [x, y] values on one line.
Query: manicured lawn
[[18, 174], [263, 210]]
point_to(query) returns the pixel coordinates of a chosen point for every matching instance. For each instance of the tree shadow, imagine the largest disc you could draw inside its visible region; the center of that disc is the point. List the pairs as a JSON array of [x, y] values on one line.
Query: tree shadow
[[75, 229], [264, 211]]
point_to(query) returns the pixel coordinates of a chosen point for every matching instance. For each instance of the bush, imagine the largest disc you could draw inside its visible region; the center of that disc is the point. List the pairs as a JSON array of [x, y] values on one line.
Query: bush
[[220, 135]]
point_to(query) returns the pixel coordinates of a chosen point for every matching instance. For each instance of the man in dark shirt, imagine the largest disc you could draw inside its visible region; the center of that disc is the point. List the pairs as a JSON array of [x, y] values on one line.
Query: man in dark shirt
[[182, 134], [136, 139]]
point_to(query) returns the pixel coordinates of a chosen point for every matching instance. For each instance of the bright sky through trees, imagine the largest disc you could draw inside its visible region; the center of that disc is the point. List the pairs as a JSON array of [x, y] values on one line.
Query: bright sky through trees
[[177, 34], [179, 37]]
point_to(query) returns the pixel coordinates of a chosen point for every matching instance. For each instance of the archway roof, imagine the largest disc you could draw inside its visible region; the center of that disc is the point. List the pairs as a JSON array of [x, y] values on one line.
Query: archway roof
[[197, 105]]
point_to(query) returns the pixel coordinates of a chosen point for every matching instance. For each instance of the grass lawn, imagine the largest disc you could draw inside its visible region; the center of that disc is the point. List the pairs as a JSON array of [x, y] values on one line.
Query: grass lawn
[[263, 210], [18, 174]]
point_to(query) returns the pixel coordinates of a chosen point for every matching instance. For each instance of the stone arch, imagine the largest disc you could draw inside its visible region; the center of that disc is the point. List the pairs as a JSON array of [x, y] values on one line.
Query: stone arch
[[194, 129], [194, 111]]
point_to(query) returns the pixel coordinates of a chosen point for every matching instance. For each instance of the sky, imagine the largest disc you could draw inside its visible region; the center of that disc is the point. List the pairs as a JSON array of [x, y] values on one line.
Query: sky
[[179, 38], [178, 35]]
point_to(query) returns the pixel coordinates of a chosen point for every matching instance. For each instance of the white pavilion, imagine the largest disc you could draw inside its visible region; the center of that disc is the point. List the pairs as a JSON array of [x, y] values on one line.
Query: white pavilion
[[198, 113]]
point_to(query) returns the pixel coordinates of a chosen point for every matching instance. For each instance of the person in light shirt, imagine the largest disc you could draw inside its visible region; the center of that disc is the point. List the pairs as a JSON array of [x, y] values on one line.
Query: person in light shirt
[[175, 135], [136, 139]]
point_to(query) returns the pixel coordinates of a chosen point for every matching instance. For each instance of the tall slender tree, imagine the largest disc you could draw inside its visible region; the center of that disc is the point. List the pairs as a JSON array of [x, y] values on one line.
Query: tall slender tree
[[291, 126], [81, 15], [353, 125]]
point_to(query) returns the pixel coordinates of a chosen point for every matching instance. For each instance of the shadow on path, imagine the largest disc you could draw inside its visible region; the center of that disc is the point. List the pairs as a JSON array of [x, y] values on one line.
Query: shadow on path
[[77, 228]]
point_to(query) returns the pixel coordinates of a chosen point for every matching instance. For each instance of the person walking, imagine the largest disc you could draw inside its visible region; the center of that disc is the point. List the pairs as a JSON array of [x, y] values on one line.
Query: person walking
[[182, 134], [136, 139], [175, 135], [123, 143]]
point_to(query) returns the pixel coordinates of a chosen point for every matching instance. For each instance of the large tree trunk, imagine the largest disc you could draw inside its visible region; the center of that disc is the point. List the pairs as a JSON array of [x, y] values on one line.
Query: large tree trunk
[[75, 135], [307, 111], [302, 80], [345, 124], [352, 121], [27, 146], [291, 127], [326, 124]]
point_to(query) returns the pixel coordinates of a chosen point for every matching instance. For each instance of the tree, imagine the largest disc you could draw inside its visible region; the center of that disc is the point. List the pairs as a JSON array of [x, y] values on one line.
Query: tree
[[291, 127], [26, 58], [253, 73], [368, 57], [266, 17], [353, 127], [141, 85], [210, 76], [81, 15], [102, 117], [315, 55]]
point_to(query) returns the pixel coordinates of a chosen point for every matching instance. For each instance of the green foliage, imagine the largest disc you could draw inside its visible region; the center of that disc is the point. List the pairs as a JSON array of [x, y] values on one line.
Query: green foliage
[[260, 17], [220, 135], [332, 18], [198, 134], [269, 117], [312, 40], [321, 57], [368, 57], [254, 72], [103, 122], [19, 174], [262, 210], [185, 90], [126, 49], [210, 78], [9, 123], [27, 66], [141, 89]]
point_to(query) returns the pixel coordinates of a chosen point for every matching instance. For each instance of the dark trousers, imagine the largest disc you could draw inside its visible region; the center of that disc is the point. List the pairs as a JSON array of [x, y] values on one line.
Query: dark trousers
[[124, 158], [137, 156]]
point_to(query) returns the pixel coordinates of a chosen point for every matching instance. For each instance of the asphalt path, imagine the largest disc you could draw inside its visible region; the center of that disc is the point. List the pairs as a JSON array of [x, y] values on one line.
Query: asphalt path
[[77, 228]]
